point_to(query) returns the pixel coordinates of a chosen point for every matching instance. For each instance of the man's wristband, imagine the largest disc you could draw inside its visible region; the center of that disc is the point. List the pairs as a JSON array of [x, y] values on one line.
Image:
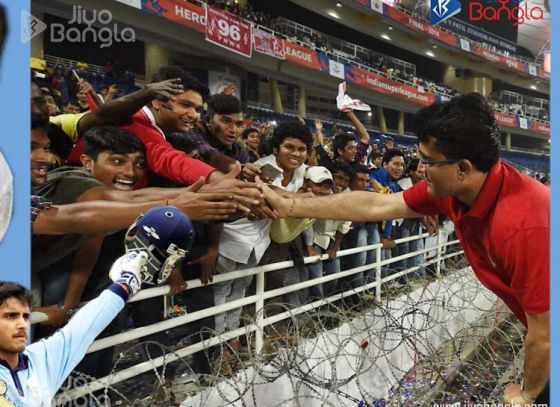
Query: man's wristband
[[118, 289], [527, 396]]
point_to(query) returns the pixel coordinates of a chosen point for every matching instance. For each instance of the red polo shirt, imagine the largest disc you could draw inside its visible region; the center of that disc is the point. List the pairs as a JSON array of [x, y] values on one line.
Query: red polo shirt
[[162, 158], [505, 235]]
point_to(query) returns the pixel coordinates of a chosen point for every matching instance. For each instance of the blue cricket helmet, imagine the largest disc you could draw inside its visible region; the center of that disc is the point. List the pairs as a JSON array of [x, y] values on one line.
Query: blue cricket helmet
[[166, 234]]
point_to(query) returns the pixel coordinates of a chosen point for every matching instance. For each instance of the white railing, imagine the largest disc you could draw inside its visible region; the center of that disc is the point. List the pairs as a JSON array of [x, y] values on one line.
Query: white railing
[[72, 64], [338, 57], [342, 46], [258, 299]]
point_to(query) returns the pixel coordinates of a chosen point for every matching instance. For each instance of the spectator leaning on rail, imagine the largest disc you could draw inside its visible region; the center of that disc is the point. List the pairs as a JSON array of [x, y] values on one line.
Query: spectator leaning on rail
[[416, 172], [387, 176], [31, 375], [501, 217], [325, 236], [358, 234], [68, 187], [243, 243]]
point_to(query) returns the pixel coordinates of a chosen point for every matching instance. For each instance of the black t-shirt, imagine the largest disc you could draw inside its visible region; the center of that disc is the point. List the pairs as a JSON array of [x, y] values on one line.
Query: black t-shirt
[[64, 186]]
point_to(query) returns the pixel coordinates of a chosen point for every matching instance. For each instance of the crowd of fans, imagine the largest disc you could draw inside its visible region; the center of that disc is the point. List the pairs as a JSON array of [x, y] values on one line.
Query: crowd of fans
[[131, 153], [98, 137], [390, 67], [63, 84], [386, 65], [104, 151], [519, 107], [246, 11]]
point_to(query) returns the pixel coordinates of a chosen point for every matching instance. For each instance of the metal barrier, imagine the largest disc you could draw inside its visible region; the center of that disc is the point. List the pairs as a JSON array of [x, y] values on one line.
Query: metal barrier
[[72, 64], [258, 300]]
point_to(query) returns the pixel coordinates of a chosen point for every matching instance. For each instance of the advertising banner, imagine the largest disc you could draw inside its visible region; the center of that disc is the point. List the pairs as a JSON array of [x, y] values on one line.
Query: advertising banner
[[422, 27], [377, 6], [178, 11], [224, 84], [302, 55], [266, 43], [229, 31], [336, 69], [507, 120], [540, 127], [386, 86]]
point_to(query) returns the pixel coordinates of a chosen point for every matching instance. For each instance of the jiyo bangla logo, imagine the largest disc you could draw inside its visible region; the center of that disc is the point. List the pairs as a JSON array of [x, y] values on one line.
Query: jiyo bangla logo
[[518, 14]]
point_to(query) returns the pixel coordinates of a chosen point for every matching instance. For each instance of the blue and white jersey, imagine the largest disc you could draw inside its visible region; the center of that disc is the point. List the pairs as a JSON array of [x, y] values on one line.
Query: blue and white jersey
[[44, 365]]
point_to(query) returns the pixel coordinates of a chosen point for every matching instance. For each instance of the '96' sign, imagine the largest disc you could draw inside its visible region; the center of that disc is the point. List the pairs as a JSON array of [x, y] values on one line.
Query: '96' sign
[[228, 31]]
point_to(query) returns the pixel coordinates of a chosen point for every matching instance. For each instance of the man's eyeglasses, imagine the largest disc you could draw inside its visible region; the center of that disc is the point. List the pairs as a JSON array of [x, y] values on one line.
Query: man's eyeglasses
[[434, 162]]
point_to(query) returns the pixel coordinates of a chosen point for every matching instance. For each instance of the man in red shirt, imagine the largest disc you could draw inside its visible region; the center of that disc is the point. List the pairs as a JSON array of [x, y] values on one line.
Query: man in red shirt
[[501, 217], [165, 116], [171, 103]]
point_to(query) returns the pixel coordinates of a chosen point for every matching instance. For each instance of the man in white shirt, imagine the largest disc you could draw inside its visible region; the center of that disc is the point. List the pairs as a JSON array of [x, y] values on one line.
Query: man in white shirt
[[244, 242], [324, 236]]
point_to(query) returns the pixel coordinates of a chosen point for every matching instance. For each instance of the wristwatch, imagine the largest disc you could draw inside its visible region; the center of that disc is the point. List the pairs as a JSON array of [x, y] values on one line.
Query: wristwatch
[[68, 311], [527, 396]]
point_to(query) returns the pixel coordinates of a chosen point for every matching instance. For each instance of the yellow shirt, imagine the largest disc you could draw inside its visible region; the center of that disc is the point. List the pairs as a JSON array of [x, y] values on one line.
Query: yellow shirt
[[68, 123]]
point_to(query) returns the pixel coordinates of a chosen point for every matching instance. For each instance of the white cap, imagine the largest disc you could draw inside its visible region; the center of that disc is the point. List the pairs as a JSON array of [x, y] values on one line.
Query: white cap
[[318, 174]]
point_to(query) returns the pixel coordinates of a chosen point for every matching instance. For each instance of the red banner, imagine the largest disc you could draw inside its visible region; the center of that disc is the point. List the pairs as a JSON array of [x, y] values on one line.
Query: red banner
[[540, 127], [380, 83], [453, 40], [302, 55], [178, 11], [513, 63], [543, 74], [420, 26], [486, 54], [229, 31], [507, 120], [268, 44]]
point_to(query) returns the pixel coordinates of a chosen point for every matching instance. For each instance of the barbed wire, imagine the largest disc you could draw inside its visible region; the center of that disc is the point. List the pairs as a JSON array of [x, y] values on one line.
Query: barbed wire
[[443, 340]]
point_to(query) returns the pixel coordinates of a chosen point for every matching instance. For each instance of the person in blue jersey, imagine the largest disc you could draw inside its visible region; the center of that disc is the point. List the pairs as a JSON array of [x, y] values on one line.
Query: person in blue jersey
[[31, 375]]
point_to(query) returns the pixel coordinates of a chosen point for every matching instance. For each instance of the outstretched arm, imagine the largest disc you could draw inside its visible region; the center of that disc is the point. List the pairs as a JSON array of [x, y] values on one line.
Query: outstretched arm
[[66, 348], [88, 217], [101, 216], [357, 206], [119, 111]]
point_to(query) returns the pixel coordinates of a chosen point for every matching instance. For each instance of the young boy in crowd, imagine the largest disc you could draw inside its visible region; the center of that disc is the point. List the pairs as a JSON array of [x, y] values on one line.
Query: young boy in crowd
[[324, 236]]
